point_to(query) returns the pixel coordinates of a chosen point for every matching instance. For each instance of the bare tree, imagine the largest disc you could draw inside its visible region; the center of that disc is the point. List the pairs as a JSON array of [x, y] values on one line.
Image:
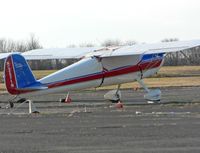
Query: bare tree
[[9, 45], [111, 42], [169, 39], [71, 46], [86, 45], [33, 43], [129, 43], [6, 45]]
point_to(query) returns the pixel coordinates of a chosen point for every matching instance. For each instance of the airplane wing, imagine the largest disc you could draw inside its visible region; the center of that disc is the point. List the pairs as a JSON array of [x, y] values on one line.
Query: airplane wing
[[77, 53], [141, 49], [58, 53], [54, 53]]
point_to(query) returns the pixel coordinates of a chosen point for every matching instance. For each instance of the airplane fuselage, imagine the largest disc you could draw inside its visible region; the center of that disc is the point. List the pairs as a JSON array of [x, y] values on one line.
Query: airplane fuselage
[[93, 72]]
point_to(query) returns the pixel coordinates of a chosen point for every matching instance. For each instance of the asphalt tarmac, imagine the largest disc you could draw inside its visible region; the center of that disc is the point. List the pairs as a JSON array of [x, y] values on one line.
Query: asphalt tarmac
[[91, 124]]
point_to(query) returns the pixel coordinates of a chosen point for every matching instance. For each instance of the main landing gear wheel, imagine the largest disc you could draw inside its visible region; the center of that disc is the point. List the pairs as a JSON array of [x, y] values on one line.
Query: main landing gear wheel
[[11, 104], [114, 95], [151, 95]]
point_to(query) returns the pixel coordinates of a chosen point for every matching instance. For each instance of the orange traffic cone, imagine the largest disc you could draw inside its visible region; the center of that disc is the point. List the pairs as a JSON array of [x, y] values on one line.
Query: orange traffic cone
[[119, 105], [68, 99]]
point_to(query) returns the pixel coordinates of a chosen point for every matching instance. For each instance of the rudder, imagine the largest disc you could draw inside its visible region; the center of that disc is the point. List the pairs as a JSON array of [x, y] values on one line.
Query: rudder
[[18, 74]]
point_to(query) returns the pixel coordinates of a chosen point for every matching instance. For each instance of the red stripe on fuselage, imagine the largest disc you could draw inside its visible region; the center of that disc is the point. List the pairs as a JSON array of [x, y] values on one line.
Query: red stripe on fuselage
[[111, 73], [79, 80]]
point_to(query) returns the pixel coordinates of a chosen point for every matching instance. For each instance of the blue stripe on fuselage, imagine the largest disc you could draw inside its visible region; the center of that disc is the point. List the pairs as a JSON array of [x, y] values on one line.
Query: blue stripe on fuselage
[[151, 57]]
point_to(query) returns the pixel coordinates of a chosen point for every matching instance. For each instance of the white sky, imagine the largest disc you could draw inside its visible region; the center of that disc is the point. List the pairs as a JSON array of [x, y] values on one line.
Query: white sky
[[58, 23]]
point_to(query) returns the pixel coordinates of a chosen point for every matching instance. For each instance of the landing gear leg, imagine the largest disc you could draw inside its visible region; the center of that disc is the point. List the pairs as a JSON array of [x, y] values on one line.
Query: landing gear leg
[[118, 93], [141, 82], [151, 95], [32, 108], [11, 103]]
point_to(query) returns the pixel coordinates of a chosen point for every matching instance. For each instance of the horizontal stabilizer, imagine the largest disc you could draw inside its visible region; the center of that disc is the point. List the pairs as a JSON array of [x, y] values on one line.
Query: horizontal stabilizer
[[31, 88]]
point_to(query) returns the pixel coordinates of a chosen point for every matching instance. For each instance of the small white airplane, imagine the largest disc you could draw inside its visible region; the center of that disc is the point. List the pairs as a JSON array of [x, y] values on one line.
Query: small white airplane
[[99, 67]]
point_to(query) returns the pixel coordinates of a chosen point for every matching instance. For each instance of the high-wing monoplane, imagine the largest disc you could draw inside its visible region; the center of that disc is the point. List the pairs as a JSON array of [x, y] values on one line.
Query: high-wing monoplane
[[97, 67]]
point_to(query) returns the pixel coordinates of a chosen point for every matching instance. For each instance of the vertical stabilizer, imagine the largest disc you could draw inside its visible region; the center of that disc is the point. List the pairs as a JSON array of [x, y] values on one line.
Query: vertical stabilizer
[[18, 75]]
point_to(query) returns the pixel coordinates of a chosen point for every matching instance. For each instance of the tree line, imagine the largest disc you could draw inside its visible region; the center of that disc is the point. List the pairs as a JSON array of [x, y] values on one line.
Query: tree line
[[190, 57], [9, 45]]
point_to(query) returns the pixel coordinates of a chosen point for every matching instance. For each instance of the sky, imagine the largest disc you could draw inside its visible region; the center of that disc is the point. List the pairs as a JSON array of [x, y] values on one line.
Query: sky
[[59, 23]]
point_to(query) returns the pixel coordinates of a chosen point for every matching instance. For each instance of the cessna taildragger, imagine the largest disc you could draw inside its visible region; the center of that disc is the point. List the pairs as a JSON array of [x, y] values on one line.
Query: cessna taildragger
[[98, 67]]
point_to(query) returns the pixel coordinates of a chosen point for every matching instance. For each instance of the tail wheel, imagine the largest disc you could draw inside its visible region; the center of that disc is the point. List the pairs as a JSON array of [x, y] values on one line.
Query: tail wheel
[[11, 104]]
